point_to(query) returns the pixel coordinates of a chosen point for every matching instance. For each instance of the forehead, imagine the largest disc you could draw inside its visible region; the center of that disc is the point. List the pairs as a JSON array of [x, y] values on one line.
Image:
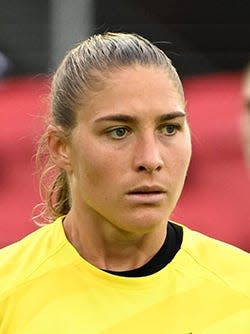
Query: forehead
[[135, 89]]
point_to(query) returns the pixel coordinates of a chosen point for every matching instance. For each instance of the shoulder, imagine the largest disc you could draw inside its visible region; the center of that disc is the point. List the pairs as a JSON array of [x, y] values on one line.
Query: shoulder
[[217, 260], [19, 261]]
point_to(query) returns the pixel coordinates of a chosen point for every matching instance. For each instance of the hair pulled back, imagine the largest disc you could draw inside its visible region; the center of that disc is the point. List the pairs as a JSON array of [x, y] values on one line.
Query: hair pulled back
[[82, 70]]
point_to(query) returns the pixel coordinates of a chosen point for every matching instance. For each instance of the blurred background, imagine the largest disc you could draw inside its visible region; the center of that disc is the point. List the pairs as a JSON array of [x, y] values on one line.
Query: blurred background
[[209, 54], [36, 34]]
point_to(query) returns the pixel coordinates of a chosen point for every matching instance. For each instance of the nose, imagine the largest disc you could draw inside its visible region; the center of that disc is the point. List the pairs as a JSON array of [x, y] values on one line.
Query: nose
[[148, 156]]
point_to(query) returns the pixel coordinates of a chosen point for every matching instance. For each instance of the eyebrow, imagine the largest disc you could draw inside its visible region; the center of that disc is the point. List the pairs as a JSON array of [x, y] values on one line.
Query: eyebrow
[[132, 119], [171, 115]]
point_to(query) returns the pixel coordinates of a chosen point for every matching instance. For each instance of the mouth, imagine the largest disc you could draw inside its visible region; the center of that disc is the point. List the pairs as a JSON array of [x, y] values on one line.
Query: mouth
[[147, 190], [147, 194]]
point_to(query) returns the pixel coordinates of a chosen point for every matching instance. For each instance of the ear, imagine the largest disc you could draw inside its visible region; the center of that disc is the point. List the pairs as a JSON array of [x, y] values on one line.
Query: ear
[[59, 148]]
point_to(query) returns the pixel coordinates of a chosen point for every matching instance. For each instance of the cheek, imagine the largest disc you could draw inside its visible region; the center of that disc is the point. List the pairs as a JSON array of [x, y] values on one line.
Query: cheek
[[180, 166], [182, 155], [179, 169], [96, 168]]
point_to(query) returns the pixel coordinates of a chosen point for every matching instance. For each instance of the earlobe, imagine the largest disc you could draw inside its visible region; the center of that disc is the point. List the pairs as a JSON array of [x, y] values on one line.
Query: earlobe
[[59, 148]]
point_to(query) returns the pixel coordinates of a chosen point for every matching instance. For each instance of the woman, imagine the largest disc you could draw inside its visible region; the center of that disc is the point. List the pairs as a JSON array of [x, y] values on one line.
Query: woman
[[111, 262]]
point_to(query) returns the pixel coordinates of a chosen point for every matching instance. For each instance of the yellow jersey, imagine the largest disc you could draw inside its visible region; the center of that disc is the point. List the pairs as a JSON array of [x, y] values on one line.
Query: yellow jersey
[[47, 287]]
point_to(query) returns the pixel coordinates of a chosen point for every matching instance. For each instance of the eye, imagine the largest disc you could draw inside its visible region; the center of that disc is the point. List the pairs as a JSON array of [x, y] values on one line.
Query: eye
[[170, 129], [118, 133]]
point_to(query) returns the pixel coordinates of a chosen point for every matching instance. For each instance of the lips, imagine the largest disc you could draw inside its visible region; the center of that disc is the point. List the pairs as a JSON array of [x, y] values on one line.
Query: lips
[[147, 195], [147, 190]]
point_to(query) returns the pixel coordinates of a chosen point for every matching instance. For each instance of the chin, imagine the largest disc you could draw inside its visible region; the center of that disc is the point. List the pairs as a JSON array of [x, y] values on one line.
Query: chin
[[144, 223]]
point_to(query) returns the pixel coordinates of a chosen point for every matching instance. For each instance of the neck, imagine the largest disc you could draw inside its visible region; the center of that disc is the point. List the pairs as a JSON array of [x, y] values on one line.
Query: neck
[[107, 247]]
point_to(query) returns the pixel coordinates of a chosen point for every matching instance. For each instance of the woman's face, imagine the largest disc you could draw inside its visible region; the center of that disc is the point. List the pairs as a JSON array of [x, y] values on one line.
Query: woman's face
[[130, 150]]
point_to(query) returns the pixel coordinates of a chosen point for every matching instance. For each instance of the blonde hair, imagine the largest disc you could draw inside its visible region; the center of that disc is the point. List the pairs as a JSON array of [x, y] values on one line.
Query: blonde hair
[[83, 69]]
